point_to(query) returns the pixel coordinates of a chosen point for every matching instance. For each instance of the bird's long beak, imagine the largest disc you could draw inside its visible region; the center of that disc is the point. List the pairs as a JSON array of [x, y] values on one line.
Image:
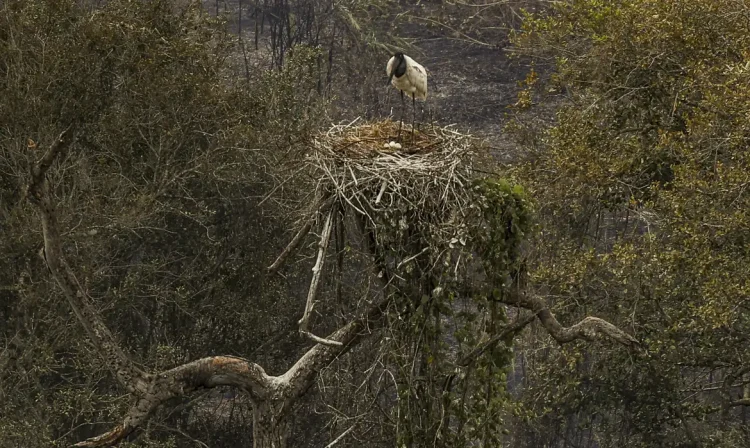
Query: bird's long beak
[[390, 78]]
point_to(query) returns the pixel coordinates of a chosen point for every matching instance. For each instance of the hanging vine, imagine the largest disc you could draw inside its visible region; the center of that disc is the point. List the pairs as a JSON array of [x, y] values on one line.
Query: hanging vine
[[440, 238]]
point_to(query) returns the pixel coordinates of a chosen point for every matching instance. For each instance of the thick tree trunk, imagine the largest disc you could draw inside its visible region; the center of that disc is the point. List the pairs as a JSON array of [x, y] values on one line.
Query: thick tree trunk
[[270, 426]]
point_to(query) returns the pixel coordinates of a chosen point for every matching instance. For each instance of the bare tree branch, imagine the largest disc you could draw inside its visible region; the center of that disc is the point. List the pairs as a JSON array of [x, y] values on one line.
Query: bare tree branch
[[318, 339], [343, 434], [303, 373], [325, 237], [130, 376], [588, 328], [203, 373], [298, 237], [217, 371]]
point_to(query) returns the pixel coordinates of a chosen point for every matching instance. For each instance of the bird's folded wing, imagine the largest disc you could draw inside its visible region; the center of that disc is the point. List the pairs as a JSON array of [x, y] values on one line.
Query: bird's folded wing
[[418, 78]]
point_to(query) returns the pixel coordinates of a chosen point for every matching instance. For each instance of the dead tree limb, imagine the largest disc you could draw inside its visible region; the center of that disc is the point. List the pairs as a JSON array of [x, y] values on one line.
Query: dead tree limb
[[325, 237], [589, 328], [283, 390], [340, 244], [511, 328], [203, 373], [127, 373], [318, 339], [292, 246], [299, 237]]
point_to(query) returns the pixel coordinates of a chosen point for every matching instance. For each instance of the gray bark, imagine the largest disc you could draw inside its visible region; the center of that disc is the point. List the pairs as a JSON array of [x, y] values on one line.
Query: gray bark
[[273, 397]]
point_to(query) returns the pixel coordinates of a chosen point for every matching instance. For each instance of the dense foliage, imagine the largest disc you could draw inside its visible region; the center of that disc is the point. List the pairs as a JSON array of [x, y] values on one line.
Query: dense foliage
[[180, 142], [156, 199], [628, 201], [641, 187], [451, 395]]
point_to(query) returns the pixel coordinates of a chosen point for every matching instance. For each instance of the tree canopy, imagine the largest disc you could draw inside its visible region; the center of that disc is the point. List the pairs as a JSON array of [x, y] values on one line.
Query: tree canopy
[[640, 183], [590, 291]]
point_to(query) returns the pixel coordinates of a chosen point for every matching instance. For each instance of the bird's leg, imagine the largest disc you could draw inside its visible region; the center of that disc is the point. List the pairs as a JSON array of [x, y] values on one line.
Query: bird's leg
[[403, 108], [413, 116], [430, 112], [426, 110]]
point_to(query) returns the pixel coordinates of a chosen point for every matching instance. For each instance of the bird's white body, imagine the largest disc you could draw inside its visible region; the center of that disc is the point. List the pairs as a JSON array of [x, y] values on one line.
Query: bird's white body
[[413, 82]]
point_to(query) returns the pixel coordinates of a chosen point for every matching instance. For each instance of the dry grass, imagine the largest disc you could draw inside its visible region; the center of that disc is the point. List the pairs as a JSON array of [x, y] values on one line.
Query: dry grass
[[370, 139]]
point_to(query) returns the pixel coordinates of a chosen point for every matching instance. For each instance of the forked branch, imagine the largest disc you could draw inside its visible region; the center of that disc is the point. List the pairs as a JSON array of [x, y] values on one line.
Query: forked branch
[[237, 372], [203, 373], [298, 237]]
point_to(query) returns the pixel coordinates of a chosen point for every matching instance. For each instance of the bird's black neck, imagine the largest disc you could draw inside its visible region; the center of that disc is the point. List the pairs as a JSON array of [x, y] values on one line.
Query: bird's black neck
[[400, 69]]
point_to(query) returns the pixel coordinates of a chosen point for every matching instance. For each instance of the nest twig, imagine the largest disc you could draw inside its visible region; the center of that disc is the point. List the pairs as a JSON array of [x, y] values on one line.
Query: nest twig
[[430, 177], [414, 201]]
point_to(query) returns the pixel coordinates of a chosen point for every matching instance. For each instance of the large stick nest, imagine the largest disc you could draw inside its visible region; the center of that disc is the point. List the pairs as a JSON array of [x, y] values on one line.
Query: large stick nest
[[422, 191]]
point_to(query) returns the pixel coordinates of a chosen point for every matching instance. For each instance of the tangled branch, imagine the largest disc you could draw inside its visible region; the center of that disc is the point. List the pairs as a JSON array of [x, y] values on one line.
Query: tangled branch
[[412, 204]]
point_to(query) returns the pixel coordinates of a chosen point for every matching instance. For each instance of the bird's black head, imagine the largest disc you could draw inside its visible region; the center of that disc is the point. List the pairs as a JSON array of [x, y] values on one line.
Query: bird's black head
[[399, 68]]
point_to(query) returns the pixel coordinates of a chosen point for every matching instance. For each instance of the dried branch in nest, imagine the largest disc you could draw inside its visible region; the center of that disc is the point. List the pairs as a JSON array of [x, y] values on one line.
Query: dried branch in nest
[[425, 184], [420, 202], [423, 191]]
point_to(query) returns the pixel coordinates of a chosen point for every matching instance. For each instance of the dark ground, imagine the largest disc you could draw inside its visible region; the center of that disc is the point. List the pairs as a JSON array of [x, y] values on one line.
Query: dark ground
[[472, 86], [469, 85]]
